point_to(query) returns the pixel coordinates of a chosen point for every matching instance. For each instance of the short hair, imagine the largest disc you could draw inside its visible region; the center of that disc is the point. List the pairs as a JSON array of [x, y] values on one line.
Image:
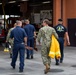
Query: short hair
[[15, 24], [46, 21], [60, 20], [26, 20], [18, 22]]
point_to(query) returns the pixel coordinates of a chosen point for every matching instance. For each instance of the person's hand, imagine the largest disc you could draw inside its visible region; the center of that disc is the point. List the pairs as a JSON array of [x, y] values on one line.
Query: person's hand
[[68, 43], [25, 44], [6, 41]]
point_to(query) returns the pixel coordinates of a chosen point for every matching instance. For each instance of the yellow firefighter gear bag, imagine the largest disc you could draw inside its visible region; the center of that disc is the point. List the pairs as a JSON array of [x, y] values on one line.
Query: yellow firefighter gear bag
[[6, 50], [54, 48]]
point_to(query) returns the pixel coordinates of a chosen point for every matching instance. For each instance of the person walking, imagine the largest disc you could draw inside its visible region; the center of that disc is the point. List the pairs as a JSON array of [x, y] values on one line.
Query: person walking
[[62, 32], [30, 31], [20, 38], [46, 33], [9, 40]]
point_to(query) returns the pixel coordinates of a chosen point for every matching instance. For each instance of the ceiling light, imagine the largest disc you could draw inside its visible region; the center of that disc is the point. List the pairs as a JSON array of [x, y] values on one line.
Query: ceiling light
[[0, 3], [24, 0], [11, 1], [46, 2], [35, 4], [18, 5]]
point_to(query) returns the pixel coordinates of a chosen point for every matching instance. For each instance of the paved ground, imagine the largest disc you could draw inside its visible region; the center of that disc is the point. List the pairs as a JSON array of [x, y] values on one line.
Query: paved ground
[[35, 66]]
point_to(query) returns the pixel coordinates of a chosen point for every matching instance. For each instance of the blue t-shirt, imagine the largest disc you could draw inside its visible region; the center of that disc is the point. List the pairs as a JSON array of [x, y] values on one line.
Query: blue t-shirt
[[29, 29], [60, 29], [18, 34]]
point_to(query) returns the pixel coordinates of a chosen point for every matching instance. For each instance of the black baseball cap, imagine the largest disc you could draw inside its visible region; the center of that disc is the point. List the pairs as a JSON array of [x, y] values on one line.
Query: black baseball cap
[[60, 20]]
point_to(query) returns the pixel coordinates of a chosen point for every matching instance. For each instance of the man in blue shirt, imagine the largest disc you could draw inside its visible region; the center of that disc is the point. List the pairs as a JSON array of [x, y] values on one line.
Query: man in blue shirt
[[30, 31], [19, 36], [62, 32]]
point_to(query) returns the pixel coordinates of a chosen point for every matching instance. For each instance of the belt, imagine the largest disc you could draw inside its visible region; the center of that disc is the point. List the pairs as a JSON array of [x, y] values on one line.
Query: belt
[[22, 43], [61, 37]]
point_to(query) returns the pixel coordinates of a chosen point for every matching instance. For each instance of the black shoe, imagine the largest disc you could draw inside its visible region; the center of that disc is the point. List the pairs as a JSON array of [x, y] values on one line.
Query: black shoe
[[27, 58], [32, 57], [20, 70], [10, 55], [13, 66], [61, 61], [57, 64]]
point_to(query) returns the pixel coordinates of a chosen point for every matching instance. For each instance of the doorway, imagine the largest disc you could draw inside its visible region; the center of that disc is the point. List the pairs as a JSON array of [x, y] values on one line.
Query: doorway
[[72, 31]]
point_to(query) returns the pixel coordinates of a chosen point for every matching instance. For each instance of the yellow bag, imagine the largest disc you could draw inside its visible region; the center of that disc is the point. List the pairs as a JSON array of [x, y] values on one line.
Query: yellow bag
[[54, 49], [6, 50]]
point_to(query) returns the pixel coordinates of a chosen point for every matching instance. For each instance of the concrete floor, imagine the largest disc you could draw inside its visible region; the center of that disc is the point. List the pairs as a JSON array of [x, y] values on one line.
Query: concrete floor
[[35, 66]]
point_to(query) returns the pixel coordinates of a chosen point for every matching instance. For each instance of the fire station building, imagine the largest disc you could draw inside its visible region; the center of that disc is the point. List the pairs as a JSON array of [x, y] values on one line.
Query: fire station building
[[37, 10]]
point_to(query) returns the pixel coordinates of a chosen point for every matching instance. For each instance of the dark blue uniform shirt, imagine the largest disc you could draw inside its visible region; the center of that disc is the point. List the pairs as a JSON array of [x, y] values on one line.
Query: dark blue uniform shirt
[[29, 29], [18, 34], [60, 29]]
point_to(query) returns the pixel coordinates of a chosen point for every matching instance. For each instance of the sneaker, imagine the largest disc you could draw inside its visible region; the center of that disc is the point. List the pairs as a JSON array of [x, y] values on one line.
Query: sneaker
[[20, 70], [27, 58], [32, 57], [10, 55], [57, 64], [61, 61], [13, 66]]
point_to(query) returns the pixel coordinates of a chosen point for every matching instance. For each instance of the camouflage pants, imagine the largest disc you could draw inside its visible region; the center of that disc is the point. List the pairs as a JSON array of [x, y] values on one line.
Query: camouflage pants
[[44, 54], [10, 49]]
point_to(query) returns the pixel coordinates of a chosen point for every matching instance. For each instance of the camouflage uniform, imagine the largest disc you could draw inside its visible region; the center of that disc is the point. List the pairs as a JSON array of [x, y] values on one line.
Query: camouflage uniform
[[8, 39], [46, 33]]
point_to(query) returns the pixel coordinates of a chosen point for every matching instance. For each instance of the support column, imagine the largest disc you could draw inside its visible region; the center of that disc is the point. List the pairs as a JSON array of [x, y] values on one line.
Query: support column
[[23, 8], [64, 17], [56, 11], [64, 13]]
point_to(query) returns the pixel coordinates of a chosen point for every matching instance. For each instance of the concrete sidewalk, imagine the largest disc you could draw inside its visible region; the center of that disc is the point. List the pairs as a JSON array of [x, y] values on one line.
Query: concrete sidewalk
[[35, 66]]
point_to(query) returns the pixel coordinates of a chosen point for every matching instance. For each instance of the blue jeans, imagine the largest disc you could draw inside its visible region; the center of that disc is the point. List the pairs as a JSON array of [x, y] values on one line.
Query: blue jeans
[[21, 49], [30, 42], [61, 43]]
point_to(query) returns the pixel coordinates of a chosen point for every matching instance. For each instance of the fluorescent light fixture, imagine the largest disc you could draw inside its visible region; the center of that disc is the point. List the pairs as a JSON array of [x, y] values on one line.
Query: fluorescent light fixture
[[11, 1], [18, 5], [46, 2], [24, 0], [35, 4], [0, 3]]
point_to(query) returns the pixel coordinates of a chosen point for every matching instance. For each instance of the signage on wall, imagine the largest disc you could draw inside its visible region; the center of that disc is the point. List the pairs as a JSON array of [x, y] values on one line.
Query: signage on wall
[[45, 14]]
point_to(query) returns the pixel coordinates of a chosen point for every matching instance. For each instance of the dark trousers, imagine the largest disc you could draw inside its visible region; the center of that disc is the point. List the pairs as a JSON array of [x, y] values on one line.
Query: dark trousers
[[21, 49], [30, 42], [61, 43]]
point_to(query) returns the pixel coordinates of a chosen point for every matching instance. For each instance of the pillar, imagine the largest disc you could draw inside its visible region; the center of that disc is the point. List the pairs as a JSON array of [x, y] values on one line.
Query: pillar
[[23, 8], [64, 13], [56, 11]]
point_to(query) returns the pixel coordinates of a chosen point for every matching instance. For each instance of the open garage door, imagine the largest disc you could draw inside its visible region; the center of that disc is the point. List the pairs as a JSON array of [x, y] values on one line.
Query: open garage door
[[41, 9]]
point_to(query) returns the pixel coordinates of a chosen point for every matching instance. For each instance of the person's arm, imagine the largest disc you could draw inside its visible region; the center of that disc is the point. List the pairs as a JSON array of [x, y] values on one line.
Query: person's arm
[[55, 34], [25, 40], [8, 36], [39, 36], [25, 37], [34, 31], [67, 37], [12, 34]]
